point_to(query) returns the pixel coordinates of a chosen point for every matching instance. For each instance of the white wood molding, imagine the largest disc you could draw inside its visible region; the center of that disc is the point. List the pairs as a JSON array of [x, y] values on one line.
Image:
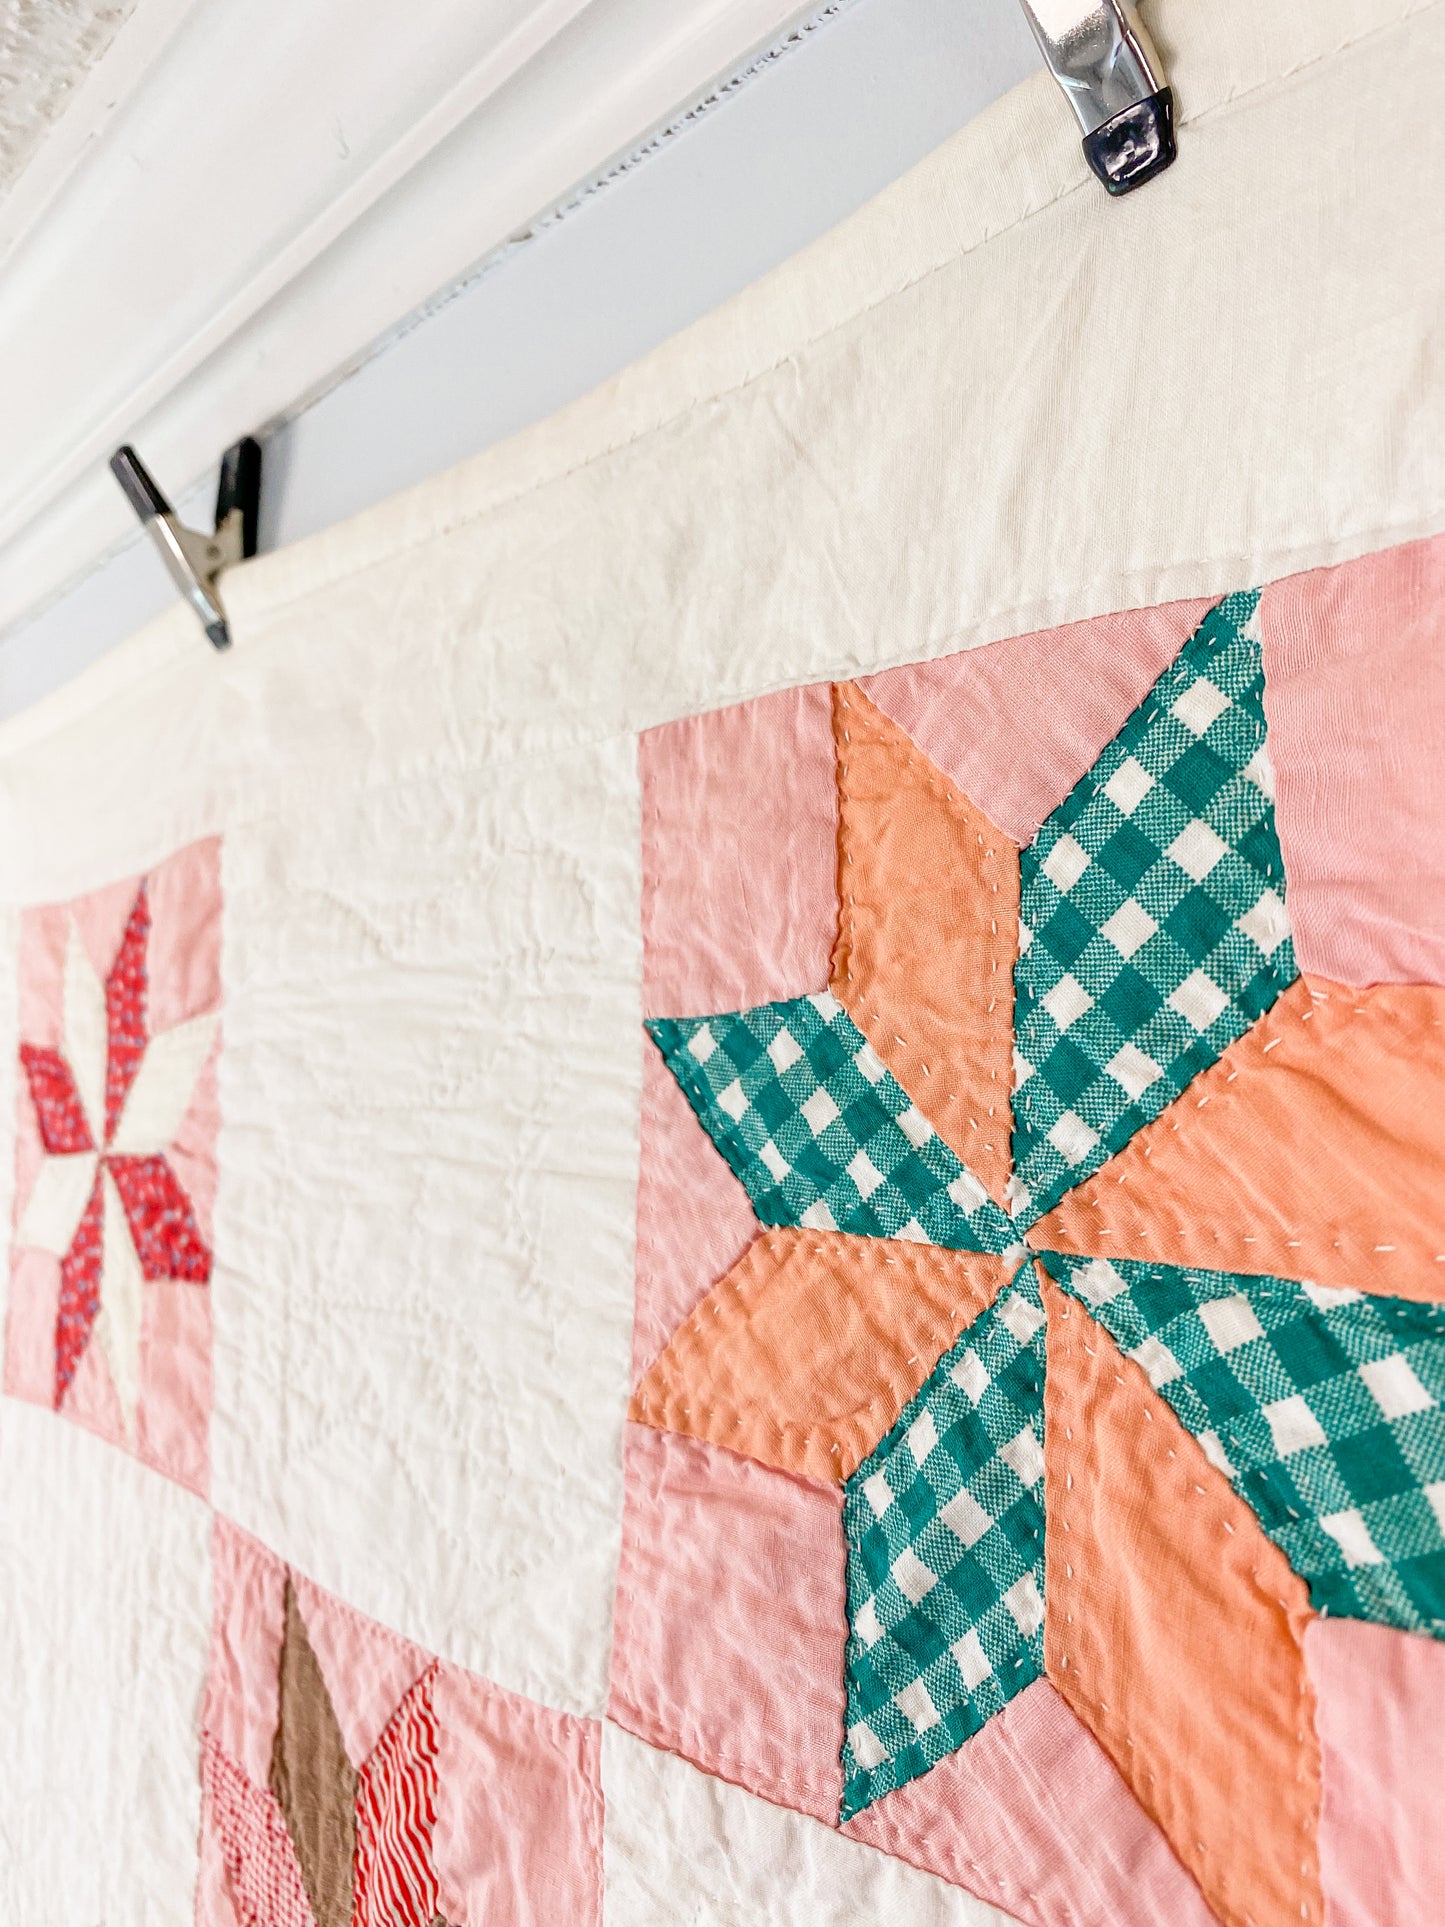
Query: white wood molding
[[248, 200]]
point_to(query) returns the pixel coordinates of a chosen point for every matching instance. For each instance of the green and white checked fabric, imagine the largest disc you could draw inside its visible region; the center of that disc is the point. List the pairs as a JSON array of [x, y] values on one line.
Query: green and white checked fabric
[[1323, 1407], [820, 1131], [945, 1530], [1152, 926]]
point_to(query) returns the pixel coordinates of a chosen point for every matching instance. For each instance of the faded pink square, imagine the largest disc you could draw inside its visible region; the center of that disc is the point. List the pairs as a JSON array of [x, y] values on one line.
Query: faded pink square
[[499, 1817], [1354, 665], [1031, 1814], [125, 1347], [730, 1624]]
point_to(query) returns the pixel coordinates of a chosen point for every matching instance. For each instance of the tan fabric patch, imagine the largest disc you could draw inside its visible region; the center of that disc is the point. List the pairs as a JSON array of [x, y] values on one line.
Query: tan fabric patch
[[313, 1780]]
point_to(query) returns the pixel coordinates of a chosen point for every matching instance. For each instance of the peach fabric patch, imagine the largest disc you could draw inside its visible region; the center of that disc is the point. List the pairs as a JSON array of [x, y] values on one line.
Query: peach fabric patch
[[1032, 1815], [1313, 1148], [927, 934], [729, 1627], [1354, 661], [1175, 1632], [803, 1356]]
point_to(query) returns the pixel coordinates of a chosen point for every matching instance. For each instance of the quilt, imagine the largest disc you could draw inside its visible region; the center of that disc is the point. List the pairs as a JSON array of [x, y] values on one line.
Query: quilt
[[727, 1175]]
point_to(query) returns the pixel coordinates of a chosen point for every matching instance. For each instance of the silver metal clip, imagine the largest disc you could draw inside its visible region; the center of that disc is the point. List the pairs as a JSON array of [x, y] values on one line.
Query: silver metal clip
[[1100, 54], [195, 561]]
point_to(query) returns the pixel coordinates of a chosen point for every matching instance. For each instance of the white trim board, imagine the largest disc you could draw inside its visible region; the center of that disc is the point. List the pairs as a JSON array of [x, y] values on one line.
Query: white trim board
[[713, 203]]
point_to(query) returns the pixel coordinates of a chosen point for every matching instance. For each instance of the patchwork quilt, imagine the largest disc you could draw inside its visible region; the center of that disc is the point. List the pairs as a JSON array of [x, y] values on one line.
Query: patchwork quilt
[[761, 1243]]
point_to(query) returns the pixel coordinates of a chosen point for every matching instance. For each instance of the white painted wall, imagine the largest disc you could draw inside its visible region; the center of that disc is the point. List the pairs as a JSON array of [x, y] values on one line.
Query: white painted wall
[[808, 136]]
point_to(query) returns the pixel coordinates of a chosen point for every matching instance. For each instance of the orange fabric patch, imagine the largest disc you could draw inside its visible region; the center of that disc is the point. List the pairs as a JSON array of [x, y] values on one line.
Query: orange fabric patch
[[1313, 1148], [928, 894], [1175, 1632], [803, 1356]]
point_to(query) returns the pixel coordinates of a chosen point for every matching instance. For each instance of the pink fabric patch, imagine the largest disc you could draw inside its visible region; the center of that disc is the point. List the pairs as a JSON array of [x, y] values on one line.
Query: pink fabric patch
[[368, 1670], [248, 1623], [739, 855], [730, 1624], [256, 1853], [1379, 1695], [518, 1838], [1032, 1815], [154, 943], [1354, 661], [693, 1217], [1017, 724]]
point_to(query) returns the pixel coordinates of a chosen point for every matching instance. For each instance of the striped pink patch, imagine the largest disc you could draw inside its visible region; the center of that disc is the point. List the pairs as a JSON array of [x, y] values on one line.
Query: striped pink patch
[[256, 1849], [396, 1808]]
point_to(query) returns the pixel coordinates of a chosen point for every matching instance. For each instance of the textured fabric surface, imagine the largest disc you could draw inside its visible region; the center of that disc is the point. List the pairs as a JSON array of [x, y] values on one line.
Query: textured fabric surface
[[730, 1619], [1031, 1811], [1355, 679], [927, 914], [1323, 1407], [1152, 923], [1312, 1149], [805, 1353], [1175, 1631], [820, 1131], [421, 759], [945, 1526]]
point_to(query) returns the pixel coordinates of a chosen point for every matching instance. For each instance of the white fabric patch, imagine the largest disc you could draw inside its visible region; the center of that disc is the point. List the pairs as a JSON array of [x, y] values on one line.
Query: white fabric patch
[[868, 1750], [732, 1099], [870, 1065], [1160, 1365], [864, 1173], [412, 1338], [921, 1436], [1128, 786], [1071, 1137], [1266, 924], [1215, 1453], [105, 1601], [122, 1303], [1130, 927], [1098, 1283], [1293, 1426], [86, 1029], [912, 1578], [817, 1217], [164, 1085], [965, 1518], [1201, 704], [915, 1703], [1132, 1071], [1352, 1536], [57, 1202], [1025, 1602], [878, 1493], [866, 1623], [1020, 1315], [1197, 849], [772, 1157], [1065, 863], [1199, 1000], [1025, 1455], [1393, 1385], [1067, 1001], [784, 1051], [1230, 1322], [915, 1126], [970, 1659], [967, 1193], [702, 1044], [819, 1111], [970, 1375]]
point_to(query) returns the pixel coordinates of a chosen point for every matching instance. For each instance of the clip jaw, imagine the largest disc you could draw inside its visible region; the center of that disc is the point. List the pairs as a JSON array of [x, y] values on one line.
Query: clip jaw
[[1102, 57], [195, 560]]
